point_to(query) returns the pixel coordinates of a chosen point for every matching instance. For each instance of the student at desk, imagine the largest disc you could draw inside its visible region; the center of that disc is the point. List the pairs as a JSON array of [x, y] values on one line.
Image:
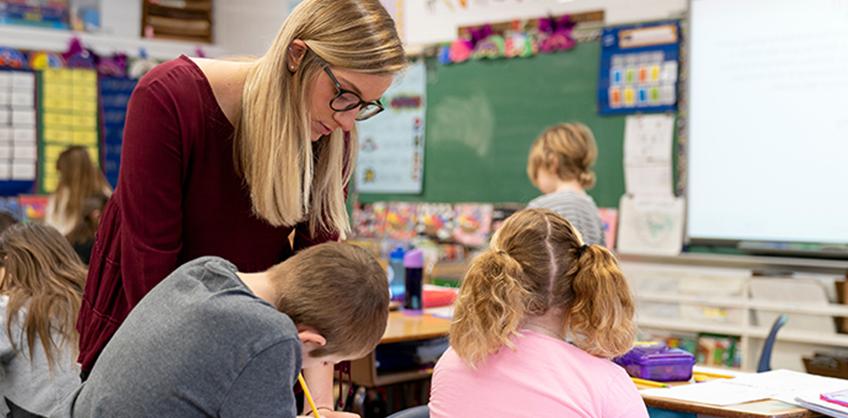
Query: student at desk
[[210, 341], [508, 356]]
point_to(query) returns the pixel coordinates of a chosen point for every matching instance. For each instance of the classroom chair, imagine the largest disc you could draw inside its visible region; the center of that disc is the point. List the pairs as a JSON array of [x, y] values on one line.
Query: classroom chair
[[422, 411], [765, 356]]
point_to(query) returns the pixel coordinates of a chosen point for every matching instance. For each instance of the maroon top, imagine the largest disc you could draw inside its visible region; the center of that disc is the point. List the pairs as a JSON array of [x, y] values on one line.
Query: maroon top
[[178, 198]]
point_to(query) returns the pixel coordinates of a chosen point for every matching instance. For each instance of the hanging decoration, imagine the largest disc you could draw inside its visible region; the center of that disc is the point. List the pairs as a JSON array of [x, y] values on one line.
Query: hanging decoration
[[516, 39]]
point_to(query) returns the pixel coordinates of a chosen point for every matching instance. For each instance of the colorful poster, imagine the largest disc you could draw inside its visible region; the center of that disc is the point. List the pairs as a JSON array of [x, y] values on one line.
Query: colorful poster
[[639, 67], [391, 144], [17, 132], [69, 117], [609, 221], [473, 224], [43, 13]]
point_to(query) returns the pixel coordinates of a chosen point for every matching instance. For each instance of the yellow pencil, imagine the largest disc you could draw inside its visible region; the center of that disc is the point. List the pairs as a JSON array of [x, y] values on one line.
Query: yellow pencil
[[649, 383], [308, 395], [710, 374]]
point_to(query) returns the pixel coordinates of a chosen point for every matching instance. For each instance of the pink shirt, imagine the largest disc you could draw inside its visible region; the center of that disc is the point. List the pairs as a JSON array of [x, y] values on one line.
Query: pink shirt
[[543, 377]]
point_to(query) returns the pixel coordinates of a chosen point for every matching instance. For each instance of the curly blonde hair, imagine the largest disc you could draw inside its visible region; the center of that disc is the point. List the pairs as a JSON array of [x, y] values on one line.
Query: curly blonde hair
[[567, 150], [538, 262]]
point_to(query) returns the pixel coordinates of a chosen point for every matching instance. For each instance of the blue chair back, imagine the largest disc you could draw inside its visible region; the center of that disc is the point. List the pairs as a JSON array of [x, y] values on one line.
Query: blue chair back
[[765, 356]]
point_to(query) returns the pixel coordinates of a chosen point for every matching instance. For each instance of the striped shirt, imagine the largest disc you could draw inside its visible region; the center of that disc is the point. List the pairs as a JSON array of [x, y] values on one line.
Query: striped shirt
[[579, 209]]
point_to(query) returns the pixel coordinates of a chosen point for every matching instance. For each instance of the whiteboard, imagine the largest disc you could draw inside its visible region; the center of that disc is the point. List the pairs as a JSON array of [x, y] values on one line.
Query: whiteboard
[[768, 121]]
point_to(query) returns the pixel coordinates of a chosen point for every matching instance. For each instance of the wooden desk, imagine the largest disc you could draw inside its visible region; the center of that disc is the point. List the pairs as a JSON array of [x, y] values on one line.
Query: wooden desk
[[760, 409], [402, 327]]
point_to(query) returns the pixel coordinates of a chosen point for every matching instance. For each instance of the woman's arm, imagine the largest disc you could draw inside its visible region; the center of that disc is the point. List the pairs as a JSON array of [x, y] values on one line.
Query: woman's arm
[[150, 190]]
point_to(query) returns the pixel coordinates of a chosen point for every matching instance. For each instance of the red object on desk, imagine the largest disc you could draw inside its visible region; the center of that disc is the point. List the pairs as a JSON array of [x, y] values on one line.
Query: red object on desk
[[436, 298], [838, 397]]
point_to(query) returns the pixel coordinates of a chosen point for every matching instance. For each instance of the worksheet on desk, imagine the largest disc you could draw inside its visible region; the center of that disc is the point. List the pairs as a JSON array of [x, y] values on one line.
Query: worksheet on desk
[[787, 385], [716, 392]]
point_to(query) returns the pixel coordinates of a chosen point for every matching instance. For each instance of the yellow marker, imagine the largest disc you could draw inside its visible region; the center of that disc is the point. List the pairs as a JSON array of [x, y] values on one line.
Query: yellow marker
[[308, 395], [713, 375], [649, 383]]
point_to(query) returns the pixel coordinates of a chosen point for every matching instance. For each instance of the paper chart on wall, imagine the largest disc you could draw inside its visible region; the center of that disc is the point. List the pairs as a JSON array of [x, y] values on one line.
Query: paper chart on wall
[[17, 127], [391, 144], [651, 226], [647, 155], [69, 115]]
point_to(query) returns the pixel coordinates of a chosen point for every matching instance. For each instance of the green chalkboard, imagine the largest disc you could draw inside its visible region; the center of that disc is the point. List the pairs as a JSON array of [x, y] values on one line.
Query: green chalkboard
[[482, 117]]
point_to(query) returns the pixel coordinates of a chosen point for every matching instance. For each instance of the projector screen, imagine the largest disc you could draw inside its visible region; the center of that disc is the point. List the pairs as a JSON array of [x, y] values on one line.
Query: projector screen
[[768, 121]]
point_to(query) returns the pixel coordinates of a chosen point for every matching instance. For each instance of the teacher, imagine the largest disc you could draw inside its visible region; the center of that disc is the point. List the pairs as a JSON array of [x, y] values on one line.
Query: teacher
[[248, 161]]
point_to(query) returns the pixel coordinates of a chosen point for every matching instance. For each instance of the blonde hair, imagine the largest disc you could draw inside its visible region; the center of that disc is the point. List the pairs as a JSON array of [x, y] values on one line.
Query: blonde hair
[[340, 291], [45, 276], [79, 179], [567, 150], [290, 178], [538, 262]]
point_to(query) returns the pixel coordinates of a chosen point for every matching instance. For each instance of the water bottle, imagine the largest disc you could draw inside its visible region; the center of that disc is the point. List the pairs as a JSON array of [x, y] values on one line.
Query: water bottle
[[396, 274], [413, 261]]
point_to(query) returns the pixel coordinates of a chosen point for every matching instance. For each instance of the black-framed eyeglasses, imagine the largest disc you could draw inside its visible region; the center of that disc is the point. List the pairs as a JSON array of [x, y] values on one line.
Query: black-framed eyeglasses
[[346, 100]]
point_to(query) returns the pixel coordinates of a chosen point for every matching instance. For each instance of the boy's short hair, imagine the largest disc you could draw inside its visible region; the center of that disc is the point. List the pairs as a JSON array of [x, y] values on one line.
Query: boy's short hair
[[567, 150], [339, 290]]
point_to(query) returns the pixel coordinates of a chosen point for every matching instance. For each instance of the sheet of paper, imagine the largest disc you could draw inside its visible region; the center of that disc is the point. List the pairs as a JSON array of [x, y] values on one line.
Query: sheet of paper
[[5, 170], [648, 155], [441, 312], [824, 407], [650, 225], [716, 392], [23, 171], [788, 385]]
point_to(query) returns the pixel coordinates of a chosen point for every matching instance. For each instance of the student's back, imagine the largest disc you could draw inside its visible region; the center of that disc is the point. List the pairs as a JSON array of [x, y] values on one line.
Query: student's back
[[211, 341], [543, 377], [41, 289], [203, 331], [537, 283], [27, 382]]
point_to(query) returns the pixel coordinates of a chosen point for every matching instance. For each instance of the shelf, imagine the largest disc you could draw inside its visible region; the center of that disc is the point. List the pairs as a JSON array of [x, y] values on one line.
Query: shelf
[[813, 265], [41, 39], [831, 309], [688, 299], [688, 326], [837, 340]]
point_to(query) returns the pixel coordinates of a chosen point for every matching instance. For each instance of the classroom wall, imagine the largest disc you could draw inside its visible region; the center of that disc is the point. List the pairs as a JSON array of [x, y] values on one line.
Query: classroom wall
[[424, 25], [247, 27], [438, 20]]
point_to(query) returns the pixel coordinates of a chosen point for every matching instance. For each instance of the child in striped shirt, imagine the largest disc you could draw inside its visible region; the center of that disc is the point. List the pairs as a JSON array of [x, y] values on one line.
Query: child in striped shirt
[[560, 165]]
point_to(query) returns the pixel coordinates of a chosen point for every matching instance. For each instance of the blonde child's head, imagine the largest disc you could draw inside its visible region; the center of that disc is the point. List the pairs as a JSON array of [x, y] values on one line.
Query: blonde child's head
[[564, 152], [44, 278], [339, 291], [536, 263]]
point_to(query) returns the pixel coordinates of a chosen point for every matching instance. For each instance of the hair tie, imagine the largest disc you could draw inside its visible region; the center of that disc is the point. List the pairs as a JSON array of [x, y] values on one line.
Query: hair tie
[[581, 249]]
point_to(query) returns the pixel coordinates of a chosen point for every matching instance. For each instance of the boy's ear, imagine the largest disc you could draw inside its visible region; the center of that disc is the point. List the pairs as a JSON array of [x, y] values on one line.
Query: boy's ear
[[310, 338]]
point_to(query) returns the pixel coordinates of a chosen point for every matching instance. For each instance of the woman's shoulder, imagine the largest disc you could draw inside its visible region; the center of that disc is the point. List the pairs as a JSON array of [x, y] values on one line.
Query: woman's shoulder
[[173, 73]]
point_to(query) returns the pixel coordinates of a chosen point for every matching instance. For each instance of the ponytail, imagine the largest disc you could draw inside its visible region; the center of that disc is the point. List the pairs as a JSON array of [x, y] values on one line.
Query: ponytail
[[600, 316], [490, 308]]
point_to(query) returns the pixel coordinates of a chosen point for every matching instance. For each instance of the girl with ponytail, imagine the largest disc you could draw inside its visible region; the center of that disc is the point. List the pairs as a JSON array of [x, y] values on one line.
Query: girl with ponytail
[[536, 284]]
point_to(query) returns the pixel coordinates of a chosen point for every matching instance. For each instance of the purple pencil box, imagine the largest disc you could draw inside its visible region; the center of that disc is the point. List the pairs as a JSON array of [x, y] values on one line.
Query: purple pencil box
[[658, 362]]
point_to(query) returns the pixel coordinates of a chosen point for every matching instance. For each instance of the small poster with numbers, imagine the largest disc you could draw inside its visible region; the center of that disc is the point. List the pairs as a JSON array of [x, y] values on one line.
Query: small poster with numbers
[[639, 68], [69, 117], [391, 145]]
